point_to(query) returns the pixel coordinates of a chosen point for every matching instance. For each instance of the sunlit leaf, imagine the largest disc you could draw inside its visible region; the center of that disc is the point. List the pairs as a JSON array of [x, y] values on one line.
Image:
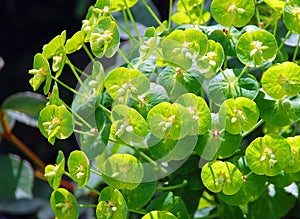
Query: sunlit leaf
[[268, 155], [122, 171]]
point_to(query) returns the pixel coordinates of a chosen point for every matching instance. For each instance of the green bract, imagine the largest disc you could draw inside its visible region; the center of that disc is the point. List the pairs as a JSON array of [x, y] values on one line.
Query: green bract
[[294, 164], [118, 5], [212, 61], [199, 110], [53, 173], [233, 12], [105, 38], [79, 167], [256, 47], [64, 204], [180, 47], [111, 204], [222, 176], [55, 49], [41, 73], [159, 215], [55, 122], [75, 42], [291, 16], [238, 115], [128, 125], [122, 83], [282, 80], [168, 120], [122, 171], [268, 155]]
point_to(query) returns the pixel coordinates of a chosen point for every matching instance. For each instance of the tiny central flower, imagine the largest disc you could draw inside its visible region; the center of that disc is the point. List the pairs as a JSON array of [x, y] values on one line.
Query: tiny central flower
[[257, 47]]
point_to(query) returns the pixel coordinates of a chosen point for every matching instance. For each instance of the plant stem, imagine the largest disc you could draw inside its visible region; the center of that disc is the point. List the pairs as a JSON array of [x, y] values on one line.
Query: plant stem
[[132, 21], [67, 87], [296, 49], [76, 75], [79, 117], [107, 111], [81, 72], [188, 13], [138, 211], [242, 73], [95, 172], [88, 53], [154, 15], [83, 133], [259, 123], [125, 59], [92, 189], [125, 31], [8, 135], [285, 38], [167, 188], [201, 13]]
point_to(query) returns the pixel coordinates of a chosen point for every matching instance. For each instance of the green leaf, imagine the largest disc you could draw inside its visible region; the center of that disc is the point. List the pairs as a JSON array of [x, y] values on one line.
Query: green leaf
[[169, 120], [24, 107], [222, 176], [105, 38], [256, 47], [268, 155], [75, 42], [149, 43], [238, 115], [220, 34], [291, 16], [177, 81], [227, 85], [16, 177], [277, 5], [64, 204], [140, 196], [54, 173], [119, 5], [294, 164], [122, 171], [171, 149], [167, 201], [155, 95], [250, 191], [55, 122], [111, 204], [282, 80], [159, 215], [217, 143], [181, 17], [233, 12], [85, 102], [211, 63], [272, 207], [41, 71], [122, 82], [199, 111], [79, 167], [288, 109]]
